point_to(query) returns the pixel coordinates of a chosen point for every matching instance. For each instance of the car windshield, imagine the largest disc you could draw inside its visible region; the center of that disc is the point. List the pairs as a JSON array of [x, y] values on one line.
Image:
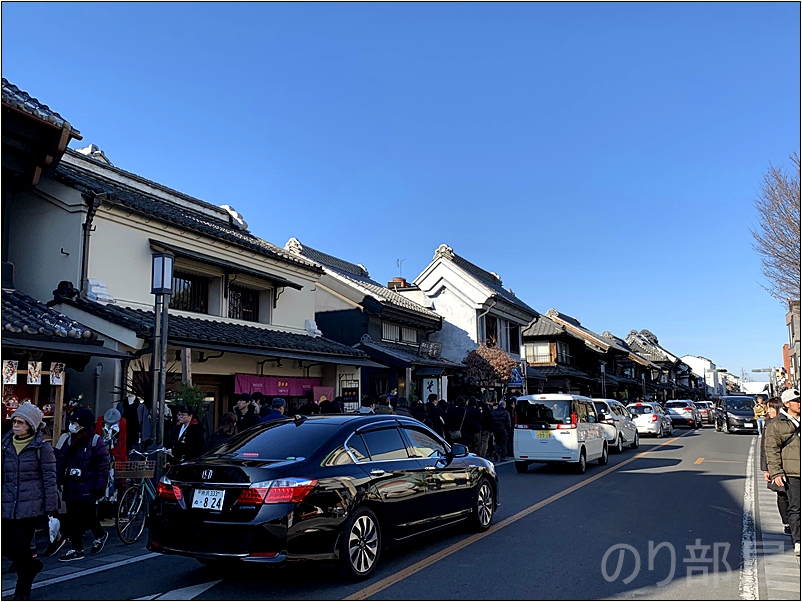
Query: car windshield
[[740, 403], [550, 412], [280, 441], [676, 404], [701, 406], [641, 409]]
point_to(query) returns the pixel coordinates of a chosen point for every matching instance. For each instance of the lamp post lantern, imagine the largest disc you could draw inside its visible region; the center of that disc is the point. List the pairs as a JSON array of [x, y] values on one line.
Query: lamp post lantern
[[162, 288]]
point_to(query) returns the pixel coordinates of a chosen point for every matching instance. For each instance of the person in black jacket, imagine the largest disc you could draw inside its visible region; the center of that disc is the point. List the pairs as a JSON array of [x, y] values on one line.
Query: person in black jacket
[[435, 419], [487, 428], [228, 428], [455, 421], [186, 438], [502, 425], [472, 430], [83, 473], [246, 412]]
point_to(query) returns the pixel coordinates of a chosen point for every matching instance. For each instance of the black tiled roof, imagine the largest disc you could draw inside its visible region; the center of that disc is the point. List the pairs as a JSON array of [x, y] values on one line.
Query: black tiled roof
[[563, 371], [22, 314], [542, 327], [534, 373], [199, 330], [407, 355], [175, 214], [492, 281], [645, 344], [19, 99], [358, 276], [586, 333]]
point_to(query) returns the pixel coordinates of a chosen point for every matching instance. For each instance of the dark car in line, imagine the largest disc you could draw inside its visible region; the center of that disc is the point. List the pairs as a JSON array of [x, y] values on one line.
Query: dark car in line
[[338, 488], [736, 413]]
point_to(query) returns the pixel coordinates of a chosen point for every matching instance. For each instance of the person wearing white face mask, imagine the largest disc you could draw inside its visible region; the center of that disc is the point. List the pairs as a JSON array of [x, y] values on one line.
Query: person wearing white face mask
[[83, 471]]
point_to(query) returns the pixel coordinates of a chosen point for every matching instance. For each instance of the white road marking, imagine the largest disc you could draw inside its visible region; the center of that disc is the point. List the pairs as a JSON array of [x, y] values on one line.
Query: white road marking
[[748, 582], [185, 593], [98, 569]]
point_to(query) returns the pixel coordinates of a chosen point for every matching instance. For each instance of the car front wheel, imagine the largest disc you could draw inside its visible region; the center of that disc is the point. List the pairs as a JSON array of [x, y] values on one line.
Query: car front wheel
[[360, 545], [484, 505]]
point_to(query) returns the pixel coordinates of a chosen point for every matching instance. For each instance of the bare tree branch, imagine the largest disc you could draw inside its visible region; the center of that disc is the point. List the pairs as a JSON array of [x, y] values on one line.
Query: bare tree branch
[[778, 240]]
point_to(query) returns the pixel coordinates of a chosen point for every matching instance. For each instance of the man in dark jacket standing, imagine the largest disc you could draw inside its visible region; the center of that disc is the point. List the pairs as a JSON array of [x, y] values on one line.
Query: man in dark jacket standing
[[277, 409], [83, 471], [782, 457], [402, 409], [29, 491], [246, 412], [435, 418], [186, 438], [502, 425]]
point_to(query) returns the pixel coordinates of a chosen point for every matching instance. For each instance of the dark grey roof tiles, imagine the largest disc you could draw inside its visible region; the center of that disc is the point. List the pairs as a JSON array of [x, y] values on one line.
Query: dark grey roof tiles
[[199, 330], [359, 276], [22, 314], [407, 355], [19, 99], [586, 333], [175, 214], [542, 327], [563, 371]]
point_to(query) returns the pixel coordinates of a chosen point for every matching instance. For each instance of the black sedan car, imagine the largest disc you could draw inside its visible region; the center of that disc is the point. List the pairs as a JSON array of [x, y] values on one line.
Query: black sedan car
[[736, 413], [339, 487]]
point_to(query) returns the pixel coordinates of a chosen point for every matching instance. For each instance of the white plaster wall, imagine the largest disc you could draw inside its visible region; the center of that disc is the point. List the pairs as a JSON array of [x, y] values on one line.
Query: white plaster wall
[[458, 334], [39, 230], [327, 300]]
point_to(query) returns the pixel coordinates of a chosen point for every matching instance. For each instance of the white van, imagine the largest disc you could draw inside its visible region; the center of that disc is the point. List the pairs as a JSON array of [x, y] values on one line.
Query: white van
[[557, 428]]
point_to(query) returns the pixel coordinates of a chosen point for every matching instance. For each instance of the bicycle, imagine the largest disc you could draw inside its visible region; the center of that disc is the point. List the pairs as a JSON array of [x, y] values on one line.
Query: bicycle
[[133, 507]]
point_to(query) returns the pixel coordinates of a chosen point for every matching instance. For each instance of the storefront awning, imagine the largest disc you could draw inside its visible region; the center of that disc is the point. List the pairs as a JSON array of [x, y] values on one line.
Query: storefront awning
[[429, 371]]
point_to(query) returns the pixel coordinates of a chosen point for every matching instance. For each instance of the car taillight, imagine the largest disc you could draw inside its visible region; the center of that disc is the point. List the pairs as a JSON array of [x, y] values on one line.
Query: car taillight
[[573, 418], [566, 426], [686, 409], [167, 491], [279, 491], [654, 417]]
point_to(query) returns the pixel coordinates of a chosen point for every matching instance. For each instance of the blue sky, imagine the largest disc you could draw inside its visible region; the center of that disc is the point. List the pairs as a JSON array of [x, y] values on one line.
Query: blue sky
[[603, 158]]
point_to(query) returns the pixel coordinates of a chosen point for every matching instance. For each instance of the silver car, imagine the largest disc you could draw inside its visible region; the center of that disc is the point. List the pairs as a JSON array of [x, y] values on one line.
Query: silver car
[[684, 413], [619, 428], [650, 419], [706, 410]]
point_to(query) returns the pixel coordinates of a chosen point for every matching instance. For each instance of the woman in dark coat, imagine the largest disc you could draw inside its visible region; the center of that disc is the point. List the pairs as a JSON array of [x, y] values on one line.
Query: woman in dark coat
[[83, 472], [186, 438], [435, 419], [28, 491], [455, 421]]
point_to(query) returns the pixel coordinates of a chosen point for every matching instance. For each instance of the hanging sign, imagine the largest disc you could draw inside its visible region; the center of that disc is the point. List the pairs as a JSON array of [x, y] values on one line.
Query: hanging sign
[[57, 373], [34, 373], [9, 372]]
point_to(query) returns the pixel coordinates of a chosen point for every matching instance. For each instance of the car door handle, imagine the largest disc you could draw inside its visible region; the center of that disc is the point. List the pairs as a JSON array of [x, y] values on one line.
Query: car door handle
[[430, 468], [377, 472]]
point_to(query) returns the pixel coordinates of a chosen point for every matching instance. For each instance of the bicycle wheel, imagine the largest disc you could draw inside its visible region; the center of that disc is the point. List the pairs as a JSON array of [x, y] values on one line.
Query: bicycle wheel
[[131, 514]]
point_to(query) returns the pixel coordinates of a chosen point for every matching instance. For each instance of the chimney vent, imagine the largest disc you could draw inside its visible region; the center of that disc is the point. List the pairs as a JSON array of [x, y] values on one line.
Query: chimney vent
[[397, 283]]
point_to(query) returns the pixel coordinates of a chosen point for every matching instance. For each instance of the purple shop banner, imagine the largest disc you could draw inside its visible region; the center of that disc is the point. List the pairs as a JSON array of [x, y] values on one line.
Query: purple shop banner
[[274, 385]]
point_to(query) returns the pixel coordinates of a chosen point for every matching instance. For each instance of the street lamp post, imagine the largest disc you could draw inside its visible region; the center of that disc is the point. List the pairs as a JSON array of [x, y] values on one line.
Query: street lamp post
[[162, 288], [602, 364]]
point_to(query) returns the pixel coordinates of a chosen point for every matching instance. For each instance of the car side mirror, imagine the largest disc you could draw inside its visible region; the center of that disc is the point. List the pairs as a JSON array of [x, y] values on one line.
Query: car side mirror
[[458, 451]]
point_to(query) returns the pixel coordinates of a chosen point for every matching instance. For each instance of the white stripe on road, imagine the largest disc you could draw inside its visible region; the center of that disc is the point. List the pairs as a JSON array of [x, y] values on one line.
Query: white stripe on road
[[97, 569], [748, 581], [185, 593]]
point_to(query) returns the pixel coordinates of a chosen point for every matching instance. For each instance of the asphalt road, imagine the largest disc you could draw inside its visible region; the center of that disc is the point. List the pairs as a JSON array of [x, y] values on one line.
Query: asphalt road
[[551, 539]]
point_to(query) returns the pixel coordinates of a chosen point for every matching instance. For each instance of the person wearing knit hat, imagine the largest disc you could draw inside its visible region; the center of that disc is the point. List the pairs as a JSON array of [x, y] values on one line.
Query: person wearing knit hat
[[30, 414], [83, 470], [28, 492]]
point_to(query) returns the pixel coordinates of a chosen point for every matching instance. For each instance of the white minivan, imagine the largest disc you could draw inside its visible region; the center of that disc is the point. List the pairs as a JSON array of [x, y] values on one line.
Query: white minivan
[[557, 427]]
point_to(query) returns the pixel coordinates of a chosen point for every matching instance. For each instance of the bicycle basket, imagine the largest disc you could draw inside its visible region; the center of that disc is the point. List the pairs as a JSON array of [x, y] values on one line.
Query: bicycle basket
[[135, 470]]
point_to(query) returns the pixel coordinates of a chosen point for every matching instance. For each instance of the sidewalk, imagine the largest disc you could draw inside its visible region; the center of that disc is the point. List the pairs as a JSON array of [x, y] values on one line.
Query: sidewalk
[[113, 552], [778, 567]]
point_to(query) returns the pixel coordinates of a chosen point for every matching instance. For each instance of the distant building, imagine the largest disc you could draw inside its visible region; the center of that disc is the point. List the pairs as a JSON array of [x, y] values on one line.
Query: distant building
[[794, 337]]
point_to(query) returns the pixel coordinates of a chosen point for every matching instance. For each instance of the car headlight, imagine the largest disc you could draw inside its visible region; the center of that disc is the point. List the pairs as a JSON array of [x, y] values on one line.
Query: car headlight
[[731, 415]]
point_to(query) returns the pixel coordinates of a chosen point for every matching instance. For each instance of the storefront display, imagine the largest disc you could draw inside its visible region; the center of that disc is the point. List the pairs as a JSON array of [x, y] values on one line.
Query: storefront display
[[28, 386]]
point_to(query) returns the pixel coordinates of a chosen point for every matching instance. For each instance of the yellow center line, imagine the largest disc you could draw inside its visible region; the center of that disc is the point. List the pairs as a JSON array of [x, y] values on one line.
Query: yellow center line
[[699, 461], [383, 584]]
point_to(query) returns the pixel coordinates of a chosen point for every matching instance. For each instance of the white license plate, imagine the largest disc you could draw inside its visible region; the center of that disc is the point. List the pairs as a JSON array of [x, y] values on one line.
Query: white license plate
[[210, 499], [748, 425]]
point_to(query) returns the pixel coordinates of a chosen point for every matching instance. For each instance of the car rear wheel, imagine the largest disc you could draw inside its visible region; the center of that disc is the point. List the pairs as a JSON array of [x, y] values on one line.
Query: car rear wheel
[[660, 432], [521, 467], [360, 545], [619, 445], [604, 457], [636, 441], [582, 465], [484, 505]]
